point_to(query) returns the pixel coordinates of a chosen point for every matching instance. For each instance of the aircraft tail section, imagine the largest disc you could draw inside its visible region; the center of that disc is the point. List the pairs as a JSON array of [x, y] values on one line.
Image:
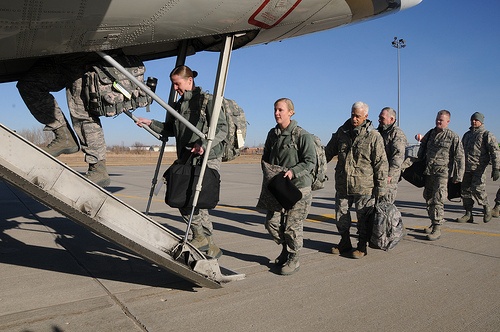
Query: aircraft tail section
[[49, 181]]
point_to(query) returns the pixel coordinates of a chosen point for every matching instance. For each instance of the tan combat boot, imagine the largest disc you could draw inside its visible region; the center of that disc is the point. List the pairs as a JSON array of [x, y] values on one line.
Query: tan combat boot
[[63, 143], [487, 213], [496, 211], [344, 245], [199, 240], [292, 265], [98, 174], [467, 217], [213, 250], [436, 233], [360, 251]]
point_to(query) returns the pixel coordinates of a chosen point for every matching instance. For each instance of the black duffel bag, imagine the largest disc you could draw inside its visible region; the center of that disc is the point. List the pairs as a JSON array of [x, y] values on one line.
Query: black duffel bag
[[415, 174], [181, 185]]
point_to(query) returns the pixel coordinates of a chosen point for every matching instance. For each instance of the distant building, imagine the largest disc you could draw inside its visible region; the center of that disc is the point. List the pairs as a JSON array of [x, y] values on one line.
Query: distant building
[[168, 148], [139, 148], [252, 150]]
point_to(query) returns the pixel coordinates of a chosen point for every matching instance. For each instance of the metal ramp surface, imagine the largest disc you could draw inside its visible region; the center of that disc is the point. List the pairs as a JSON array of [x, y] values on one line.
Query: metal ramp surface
[[49, 181]]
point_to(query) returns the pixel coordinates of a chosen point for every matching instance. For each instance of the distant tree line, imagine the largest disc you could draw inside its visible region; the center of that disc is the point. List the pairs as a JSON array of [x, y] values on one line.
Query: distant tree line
[[37, 136], [40, 137]]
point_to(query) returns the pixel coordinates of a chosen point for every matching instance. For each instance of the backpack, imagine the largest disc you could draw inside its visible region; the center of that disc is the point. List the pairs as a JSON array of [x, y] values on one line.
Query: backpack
[[237, 124], [319, 172], [107, 92], [388, 227]]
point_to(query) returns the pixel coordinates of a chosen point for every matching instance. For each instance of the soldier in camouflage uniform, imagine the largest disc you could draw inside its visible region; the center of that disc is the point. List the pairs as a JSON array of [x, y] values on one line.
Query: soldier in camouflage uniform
[[444, 158], [54, 74], [298, 157], [360, 176], [190, 147], [395, 145], [480, 148]]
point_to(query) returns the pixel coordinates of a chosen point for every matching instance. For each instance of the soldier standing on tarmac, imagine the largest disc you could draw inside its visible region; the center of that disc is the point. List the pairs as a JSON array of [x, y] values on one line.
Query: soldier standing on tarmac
[[296, 154], [54, 74], [360, 176], [444, 161], [480, 148], [395, 146]]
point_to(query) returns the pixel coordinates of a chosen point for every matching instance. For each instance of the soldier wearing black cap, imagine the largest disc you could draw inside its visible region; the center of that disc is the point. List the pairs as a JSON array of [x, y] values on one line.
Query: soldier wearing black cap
[[481, 148]]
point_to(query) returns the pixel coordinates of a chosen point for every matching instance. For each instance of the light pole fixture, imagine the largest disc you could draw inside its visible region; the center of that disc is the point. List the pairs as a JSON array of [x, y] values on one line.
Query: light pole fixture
[[398, 44]]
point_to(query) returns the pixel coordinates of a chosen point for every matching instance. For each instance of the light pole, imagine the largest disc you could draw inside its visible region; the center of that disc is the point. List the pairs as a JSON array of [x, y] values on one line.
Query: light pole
[[398, 44]]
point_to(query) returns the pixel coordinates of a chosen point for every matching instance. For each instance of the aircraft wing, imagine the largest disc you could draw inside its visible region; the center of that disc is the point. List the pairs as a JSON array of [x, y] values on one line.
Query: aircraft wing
[[30, 29]]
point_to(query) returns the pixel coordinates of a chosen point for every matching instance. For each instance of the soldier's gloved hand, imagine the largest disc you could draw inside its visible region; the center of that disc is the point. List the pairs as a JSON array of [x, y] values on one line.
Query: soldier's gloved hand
[[495, 174]]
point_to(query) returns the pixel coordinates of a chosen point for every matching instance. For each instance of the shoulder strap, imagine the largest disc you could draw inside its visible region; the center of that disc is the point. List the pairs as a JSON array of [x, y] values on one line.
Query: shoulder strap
[[296, 133], [204, 104]]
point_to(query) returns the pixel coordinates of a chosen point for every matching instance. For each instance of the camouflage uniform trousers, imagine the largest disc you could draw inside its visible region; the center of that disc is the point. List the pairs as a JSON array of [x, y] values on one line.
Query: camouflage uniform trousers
[[474, 187], [497, 198], [364, 206], [201, 216], [291, 229], [50, 76], [435, 192]]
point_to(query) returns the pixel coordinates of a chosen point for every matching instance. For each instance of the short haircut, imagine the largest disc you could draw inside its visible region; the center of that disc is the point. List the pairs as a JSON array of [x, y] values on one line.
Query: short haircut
[[390, 111], [360, 105], [444, 112]]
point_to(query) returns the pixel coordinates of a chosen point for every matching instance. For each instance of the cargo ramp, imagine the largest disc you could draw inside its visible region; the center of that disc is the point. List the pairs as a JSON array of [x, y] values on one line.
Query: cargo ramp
[[59, 187]]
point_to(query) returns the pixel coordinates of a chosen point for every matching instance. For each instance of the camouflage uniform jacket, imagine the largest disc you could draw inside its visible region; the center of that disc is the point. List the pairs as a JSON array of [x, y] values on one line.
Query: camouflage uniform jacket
[[362, 163], [298, 155], [395, 145], [443, 154], [480, 147], [189, 107]]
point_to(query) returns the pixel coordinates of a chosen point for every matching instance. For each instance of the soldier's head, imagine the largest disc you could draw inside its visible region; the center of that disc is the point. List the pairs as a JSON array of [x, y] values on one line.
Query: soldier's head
[[283, 111], [359, 113], [387, 116], [443, 119], [477, 120], [182, 78]]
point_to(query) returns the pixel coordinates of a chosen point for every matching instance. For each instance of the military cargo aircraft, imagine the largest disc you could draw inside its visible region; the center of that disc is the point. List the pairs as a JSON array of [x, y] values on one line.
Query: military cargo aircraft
[[153, 29], [157, 28]]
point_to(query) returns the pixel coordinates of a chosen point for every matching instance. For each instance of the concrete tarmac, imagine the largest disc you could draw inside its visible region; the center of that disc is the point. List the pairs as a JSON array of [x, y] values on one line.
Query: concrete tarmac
[[57, 276]]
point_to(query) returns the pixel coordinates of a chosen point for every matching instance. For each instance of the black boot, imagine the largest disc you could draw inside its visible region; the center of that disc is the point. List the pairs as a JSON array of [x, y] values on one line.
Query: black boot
[[467, 217]]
